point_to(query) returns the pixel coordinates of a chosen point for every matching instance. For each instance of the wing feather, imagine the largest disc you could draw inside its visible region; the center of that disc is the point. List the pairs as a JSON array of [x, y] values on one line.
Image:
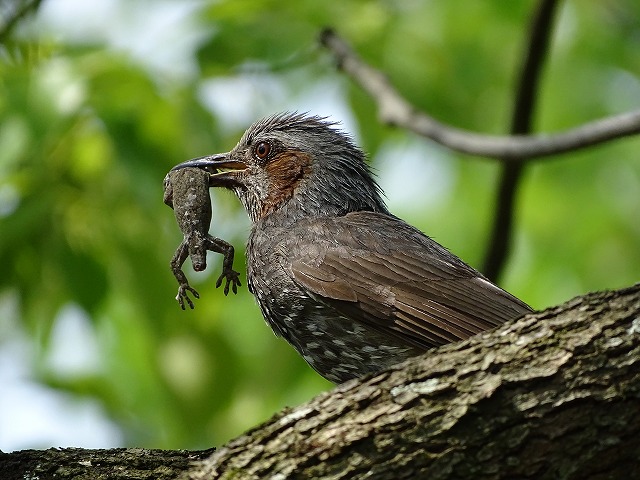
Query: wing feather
[[377, 269]]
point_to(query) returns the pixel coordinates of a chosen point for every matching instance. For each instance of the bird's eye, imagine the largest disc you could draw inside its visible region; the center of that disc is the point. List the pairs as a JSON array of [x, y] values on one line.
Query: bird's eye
[[262, 150]]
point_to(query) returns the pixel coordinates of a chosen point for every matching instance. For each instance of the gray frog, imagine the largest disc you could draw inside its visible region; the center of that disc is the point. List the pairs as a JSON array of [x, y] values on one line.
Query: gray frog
[[186, 190]]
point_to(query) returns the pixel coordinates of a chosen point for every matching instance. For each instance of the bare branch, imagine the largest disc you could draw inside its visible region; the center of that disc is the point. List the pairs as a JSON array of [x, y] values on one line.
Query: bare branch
[[511, 172], [11, 14], [393, 109]]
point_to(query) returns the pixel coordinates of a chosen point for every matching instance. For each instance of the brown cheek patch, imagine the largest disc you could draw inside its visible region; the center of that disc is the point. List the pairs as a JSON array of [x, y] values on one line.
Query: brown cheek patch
[[285, 172]]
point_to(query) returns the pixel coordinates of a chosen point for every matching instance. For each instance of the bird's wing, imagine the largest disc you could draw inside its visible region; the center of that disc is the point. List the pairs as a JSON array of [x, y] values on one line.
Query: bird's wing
[[377, 269]]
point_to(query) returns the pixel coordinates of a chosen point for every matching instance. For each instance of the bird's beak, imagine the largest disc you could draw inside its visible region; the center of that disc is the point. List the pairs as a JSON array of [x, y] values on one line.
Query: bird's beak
[[213, 164]]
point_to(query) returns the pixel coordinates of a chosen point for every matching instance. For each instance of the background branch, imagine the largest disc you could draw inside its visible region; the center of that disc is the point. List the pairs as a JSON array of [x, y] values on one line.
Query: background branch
[[393, 109], [12, 13], [500, 242]]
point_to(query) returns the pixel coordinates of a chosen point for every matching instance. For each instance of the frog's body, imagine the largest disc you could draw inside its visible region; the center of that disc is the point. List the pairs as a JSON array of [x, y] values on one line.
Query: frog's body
[[186, 190]]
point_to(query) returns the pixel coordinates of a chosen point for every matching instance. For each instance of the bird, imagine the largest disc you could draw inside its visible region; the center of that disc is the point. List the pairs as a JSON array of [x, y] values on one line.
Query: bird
[[353, 288]]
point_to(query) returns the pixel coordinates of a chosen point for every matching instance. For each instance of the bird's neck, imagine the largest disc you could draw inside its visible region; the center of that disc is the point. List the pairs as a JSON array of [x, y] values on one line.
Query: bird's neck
[[321, 203]]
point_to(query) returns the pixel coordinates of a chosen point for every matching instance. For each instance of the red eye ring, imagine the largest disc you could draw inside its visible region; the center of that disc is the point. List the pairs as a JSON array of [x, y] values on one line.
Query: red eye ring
[[262, 150]]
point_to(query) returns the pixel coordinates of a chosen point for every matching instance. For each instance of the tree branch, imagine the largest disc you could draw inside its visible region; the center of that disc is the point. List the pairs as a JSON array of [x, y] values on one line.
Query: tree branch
[[13, 14], [552, 395], [393, 109], [511, 172], [84, 464]]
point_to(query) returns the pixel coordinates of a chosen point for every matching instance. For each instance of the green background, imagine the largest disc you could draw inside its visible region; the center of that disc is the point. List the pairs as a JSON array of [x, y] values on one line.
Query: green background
[[90, 122]]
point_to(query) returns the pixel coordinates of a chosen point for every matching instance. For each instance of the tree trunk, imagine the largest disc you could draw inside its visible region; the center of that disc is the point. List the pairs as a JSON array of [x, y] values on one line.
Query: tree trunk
[[555, 394]]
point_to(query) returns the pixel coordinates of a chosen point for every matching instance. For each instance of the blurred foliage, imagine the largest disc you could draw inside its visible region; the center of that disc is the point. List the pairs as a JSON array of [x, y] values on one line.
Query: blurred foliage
[[87, 132]]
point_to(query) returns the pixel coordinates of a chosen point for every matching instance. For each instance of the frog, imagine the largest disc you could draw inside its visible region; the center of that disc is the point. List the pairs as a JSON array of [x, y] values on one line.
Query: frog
[[186, 191]]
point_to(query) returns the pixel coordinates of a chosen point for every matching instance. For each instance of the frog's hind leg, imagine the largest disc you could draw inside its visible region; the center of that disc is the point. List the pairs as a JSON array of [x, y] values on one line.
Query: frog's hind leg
[[228, 273], [176, 267]]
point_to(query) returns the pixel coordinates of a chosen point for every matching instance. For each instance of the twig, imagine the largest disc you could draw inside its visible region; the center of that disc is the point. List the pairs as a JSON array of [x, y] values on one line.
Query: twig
[[12, 18], [395, 110], [511, 173]]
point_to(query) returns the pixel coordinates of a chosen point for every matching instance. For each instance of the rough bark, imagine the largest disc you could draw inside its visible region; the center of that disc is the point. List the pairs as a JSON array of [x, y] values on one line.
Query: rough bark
[[112, 464], [555, 394]]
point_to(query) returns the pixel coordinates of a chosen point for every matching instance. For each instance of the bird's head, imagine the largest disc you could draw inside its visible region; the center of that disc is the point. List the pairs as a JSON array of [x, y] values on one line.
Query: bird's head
[[297, 165]]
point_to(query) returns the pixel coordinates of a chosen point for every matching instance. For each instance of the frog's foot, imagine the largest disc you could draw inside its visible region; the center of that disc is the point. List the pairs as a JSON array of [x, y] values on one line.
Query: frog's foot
[[182, 295], [232, 277]]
